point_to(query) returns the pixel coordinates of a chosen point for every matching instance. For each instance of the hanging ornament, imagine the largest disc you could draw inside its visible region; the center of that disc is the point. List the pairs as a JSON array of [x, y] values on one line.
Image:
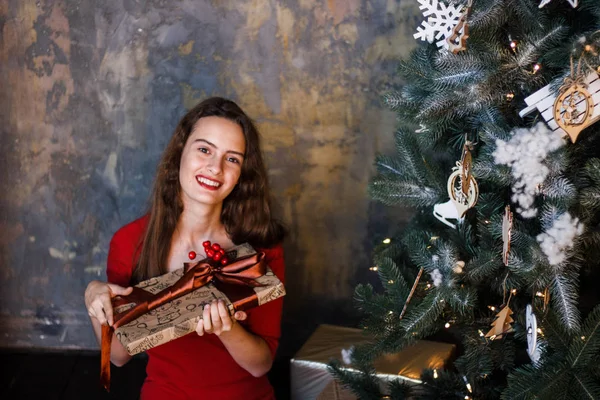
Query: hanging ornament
[[533, 348], [507, 224], [573, 3], [457, 42], [440, 23], [412, 292], [462, 190], [502, 324], [546, 298], [574, 109]]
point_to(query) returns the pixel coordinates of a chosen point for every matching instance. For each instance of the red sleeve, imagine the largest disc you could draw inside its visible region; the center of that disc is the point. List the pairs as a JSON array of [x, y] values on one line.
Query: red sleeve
[[124, 249], [265, 321]]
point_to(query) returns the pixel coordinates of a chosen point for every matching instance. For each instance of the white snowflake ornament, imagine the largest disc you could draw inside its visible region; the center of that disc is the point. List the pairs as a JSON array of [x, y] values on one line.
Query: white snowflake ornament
[[440, 23], [573, 3]]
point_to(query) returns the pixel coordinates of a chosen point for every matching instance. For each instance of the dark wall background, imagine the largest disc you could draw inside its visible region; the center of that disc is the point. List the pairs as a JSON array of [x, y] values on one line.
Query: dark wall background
[[91, 91]]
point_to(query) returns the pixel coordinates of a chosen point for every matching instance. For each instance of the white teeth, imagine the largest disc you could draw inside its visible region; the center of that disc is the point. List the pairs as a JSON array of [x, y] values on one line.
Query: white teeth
[[208, 182]]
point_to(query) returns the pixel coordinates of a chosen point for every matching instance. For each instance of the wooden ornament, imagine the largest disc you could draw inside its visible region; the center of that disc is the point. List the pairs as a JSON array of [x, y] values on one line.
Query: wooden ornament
[[501, 325], [466, 194], [462, 190], [576, 107], [457, 42], [507, 223], [466, 164], [573, 109]]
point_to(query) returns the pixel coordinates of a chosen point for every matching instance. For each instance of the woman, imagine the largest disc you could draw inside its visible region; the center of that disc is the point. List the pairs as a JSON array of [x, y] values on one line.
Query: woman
[[211, 184]]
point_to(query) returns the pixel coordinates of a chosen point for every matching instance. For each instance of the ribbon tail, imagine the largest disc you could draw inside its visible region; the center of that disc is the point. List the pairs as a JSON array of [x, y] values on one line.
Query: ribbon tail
[[107, 334]]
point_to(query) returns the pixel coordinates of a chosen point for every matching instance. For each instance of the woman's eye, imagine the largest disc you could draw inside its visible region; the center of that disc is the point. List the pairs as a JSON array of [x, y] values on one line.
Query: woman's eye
[[233, 160], [203, 149]]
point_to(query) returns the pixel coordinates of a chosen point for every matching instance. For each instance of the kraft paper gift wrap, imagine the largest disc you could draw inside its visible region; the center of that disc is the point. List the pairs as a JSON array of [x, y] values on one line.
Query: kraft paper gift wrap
[[180, 316]]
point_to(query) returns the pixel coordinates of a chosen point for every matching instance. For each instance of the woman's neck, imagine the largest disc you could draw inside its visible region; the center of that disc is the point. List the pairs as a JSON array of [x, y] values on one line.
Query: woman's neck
[[198, 224]]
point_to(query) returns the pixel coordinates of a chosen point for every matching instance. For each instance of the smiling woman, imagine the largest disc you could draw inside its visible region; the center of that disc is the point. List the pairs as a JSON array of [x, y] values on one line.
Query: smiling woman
[[211, 162], [211, 184]]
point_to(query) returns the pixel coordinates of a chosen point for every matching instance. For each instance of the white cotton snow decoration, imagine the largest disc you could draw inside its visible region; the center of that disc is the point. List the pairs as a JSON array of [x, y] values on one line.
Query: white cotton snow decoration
[[525, 153], [347, 355], [436, 276], [557, 240]]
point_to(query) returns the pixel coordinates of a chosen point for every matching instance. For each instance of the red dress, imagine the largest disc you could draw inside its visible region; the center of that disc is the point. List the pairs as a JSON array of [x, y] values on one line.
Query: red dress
[[198, 367]]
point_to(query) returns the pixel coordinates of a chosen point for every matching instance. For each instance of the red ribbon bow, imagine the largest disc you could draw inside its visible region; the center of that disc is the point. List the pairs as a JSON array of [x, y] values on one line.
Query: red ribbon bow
[[242, 272]]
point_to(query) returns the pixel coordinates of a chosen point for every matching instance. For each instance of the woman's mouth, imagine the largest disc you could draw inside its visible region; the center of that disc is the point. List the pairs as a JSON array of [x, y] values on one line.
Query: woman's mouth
[[208, 183]]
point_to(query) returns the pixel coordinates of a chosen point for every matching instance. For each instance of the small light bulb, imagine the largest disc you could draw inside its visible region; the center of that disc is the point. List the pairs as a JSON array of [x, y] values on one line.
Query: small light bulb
[[428, 285], [390, 312], [583, 338], [469, 388], [435, 374], [513, 45], [540, 294], [390, 281], [374, 268], [447, 325], [481, 333], [536, 68], [514, 291], [588, 47], [510, 96], [539, 330], [492, 308], [387, 241]]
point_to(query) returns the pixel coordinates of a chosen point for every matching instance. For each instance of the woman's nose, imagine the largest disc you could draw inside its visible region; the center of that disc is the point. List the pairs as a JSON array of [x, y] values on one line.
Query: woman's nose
[[215, 166]]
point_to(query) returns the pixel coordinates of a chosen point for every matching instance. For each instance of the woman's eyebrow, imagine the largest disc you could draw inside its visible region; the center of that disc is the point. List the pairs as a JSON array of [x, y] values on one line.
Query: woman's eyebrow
[[213, 145]]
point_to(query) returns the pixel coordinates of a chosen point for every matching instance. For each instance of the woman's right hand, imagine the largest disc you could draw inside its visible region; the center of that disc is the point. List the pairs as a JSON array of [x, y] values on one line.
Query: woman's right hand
[[97, 300]]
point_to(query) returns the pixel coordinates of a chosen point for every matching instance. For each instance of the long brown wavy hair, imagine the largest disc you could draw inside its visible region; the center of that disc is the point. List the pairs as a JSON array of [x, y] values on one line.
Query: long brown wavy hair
[[246, 211]]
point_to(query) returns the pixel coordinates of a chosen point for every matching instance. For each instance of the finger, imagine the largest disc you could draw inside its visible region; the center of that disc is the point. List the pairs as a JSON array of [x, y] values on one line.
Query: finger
[[206, 319], [215, 317], [224, 315], [240, 316], [108, 310], [98, 313], [200, 328], [119, 290]]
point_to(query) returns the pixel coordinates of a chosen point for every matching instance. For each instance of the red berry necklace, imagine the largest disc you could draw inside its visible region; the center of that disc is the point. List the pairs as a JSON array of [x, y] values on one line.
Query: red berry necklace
[[213, 251]]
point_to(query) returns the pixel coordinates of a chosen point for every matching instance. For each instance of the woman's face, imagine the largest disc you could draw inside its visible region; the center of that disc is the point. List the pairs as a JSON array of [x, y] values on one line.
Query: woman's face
[[211, 161]]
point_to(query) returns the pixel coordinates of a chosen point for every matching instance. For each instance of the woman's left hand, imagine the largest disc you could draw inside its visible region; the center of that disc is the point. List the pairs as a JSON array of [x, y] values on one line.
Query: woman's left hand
[[216, 319]]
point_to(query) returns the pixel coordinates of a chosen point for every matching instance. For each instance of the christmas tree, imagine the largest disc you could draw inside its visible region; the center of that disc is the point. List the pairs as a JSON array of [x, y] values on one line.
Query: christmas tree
[[498, 152]]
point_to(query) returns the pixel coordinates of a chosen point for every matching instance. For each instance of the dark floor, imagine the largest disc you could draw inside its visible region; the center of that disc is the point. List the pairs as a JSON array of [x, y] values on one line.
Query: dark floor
[[73, 375]]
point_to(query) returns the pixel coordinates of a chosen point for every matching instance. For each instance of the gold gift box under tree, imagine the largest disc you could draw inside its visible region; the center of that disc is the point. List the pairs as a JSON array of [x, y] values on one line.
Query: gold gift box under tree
[[310, 379]]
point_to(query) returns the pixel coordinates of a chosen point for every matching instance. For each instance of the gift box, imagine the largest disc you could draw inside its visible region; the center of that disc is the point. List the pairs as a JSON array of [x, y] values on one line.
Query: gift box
[[169, 306], [310, 379], [180, 316]]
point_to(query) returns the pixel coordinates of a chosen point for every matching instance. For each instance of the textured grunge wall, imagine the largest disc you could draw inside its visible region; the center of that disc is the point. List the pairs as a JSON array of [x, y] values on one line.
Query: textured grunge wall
[[90, 94]]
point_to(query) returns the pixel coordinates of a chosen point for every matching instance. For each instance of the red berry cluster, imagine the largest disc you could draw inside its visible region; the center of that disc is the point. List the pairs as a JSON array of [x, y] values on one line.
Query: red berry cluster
[[215, 252]]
